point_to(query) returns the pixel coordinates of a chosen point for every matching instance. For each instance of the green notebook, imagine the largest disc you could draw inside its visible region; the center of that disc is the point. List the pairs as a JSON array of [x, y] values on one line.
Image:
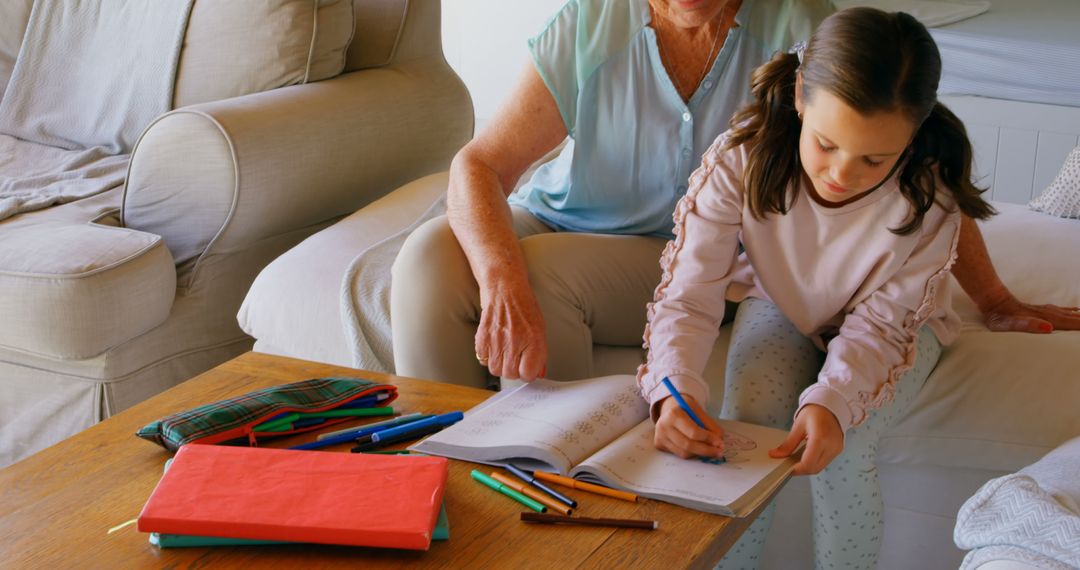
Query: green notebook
[[440, 532]]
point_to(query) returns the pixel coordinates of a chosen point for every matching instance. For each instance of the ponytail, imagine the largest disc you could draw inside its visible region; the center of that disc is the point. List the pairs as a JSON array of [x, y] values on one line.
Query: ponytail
[[874, 61], [941, 152], [770, 127]]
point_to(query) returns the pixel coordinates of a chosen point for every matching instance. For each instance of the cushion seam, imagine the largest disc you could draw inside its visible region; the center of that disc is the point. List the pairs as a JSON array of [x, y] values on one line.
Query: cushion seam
[[158, 242], [313, 42]]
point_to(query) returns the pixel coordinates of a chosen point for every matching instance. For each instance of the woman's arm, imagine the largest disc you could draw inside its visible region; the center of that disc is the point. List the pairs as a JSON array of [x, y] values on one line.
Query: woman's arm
[[511, 332], [1001, 310]]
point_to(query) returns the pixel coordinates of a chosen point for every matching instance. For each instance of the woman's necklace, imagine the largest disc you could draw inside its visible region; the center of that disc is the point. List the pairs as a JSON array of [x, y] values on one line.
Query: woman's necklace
[[673, 73]]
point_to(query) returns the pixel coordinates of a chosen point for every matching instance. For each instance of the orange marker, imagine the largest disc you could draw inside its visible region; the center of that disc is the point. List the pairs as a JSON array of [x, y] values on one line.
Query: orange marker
[[575, 484], [532, 494]]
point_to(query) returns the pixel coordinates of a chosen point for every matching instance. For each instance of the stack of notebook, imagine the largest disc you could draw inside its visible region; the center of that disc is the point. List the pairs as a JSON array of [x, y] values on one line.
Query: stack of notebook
[[219, 494]]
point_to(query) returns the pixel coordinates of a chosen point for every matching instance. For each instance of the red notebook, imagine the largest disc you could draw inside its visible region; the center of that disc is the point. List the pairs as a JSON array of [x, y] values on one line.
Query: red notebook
[[389, 501]]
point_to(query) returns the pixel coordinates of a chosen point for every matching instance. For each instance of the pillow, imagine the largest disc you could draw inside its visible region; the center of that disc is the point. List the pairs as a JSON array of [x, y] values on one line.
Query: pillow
[[13, 17], [1062, 197], [237, 47]]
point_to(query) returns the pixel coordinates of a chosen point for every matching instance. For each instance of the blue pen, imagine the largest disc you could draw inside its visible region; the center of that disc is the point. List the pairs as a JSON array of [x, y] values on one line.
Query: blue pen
[[366, 401], [526, 477], [358, 433], [407, 431], [442, 420], [682, 404]]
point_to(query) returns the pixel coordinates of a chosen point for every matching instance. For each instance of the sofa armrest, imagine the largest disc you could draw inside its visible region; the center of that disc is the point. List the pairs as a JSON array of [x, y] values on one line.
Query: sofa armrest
[[221, 176]]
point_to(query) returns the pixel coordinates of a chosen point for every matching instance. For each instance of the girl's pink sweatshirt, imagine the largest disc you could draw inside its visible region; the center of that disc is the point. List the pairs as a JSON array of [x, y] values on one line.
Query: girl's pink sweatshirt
[[858, 290]]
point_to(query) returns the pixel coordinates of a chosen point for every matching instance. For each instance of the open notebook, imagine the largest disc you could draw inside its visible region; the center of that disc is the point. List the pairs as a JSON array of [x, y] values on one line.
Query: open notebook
[[598, 430]]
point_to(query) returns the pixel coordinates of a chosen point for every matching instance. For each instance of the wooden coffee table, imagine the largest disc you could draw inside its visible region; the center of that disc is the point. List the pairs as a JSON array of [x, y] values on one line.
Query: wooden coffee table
[[57, 506]]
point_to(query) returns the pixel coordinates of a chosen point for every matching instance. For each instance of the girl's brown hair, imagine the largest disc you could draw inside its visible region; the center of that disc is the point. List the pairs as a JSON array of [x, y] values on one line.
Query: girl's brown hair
[[874, 61]]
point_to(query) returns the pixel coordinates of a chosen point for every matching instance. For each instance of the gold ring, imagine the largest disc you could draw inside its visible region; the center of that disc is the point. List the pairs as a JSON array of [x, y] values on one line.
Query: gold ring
[[481, 359]]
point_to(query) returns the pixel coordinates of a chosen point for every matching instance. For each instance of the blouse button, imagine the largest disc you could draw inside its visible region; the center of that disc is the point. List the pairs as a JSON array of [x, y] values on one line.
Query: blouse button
[[686, 117]]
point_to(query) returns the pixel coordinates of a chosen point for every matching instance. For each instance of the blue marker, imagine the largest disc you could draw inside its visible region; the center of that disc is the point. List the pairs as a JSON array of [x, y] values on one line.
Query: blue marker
[[366, 401], [686, 407], [353, 435], [682, 403], [526, 477], [408, 431]]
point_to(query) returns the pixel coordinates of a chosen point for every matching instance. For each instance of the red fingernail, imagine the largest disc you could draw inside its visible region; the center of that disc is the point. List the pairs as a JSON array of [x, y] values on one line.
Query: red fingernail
[[543, 373], [1046, 327]]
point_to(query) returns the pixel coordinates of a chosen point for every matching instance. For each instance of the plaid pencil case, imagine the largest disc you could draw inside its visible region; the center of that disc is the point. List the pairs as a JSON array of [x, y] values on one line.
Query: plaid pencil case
[[247, 417]]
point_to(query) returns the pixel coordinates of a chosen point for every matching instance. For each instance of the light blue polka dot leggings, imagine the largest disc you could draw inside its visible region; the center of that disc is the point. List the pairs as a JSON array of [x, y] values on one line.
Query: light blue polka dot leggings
[[769, 364]]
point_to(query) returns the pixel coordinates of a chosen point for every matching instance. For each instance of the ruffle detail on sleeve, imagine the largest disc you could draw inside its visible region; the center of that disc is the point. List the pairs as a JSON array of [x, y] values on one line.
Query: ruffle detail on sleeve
[[870, 401], [687, 204]]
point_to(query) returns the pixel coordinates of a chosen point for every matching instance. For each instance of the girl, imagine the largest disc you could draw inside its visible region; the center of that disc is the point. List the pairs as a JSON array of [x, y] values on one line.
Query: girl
[[844, 180]]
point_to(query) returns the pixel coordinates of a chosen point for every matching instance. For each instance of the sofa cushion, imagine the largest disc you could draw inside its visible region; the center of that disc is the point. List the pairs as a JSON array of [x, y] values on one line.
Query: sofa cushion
[[237, 47], [381, 22], [998, 401], [13, 17], [72, 290]]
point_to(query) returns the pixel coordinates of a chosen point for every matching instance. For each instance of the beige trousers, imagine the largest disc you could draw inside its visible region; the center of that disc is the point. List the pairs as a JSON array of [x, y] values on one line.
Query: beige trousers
[[592, 289]]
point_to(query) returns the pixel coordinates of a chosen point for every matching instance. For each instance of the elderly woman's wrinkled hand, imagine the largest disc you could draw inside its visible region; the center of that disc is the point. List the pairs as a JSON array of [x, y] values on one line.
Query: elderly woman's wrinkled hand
[[510, 340], [1016, 316]]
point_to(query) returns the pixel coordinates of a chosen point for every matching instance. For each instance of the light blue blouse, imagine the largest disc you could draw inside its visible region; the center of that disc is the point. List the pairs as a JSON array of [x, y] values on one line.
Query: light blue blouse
[[633, 141]]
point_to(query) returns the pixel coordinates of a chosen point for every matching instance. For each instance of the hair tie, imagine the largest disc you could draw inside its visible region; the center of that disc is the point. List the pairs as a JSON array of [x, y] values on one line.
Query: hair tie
[[798, 48]]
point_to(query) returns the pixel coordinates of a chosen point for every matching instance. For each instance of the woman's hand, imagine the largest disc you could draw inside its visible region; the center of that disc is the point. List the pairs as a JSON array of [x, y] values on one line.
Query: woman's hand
[[1012, 315], [676, 433], [510, 339], [1000, 309], [824, 440]]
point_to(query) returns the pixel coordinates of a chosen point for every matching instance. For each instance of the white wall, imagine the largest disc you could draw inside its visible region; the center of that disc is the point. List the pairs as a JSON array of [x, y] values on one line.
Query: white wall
[[485, 42]]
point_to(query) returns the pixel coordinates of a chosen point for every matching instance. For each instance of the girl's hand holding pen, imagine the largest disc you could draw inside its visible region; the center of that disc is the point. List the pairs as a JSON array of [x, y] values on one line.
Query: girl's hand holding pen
[[677, 434], [823, 435]]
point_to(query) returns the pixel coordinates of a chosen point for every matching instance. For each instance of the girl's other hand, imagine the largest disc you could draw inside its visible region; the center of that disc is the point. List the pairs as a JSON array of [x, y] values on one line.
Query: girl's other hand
[[510, 339], [677, 434], [824, 440]]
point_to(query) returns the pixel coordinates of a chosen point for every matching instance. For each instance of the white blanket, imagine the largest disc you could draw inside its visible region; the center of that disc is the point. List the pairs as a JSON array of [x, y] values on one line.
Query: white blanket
[[34, 176], [365, 298], [1032, 516], [931, 13], [94, 73], [90, 76]]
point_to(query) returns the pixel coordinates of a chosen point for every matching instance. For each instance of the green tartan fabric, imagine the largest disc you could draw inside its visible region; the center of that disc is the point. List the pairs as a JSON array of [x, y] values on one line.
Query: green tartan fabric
[[255, 407]]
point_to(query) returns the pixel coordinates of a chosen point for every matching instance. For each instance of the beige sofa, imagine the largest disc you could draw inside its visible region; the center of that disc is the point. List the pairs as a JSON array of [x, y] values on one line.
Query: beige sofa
[[107, 300]]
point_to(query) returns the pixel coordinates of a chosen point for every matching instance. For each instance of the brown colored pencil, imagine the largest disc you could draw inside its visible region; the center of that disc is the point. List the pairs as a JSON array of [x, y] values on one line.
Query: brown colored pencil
[[560, 519]]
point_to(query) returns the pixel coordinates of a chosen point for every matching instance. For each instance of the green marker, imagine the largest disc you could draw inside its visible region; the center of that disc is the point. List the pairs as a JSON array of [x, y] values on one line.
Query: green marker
[[508, 491], [284, 423], [349, 412], [277, 425]]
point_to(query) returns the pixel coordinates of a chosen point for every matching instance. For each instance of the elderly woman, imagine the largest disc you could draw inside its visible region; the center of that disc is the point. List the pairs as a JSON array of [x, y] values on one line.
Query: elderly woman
[[521, 284]]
